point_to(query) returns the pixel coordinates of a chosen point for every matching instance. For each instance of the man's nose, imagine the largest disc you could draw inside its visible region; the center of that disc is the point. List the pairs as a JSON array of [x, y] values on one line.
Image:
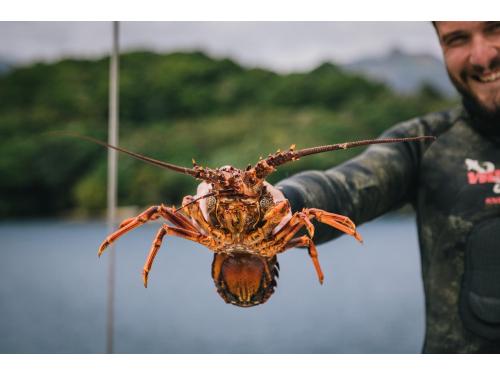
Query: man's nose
[[483, 53]]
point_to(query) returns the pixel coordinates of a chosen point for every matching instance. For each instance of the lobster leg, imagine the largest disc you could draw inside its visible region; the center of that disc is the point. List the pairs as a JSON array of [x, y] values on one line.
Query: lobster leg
[[177, 218], [126, 221], [152, 213], [152, 254], [194, 211], [303, 219], [272, 218], [286, 233], [179, 232], [313, 253], [298, 220], [167, 212], [342, 223]]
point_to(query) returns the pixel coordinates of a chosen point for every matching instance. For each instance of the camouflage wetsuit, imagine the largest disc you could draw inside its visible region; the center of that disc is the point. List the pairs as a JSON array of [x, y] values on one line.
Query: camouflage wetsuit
[[452, 185]]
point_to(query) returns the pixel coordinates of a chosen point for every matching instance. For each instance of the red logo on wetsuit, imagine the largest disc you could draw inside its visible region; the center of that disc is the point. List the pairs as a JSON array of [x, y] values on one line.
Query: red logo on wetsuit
[[484, 173]]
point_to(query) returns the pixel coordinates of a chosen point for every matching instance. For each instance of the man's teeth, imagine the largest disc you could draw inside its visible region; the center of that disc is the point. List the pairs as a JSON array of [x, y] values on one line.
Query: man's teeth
[[490, 77]]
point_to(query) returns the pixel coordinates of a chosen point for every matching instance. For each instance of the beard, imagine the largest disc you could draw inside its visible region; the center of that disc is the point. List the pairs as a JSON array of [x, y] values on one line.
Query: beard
[[484, 118], [472, 103], [479, 111]]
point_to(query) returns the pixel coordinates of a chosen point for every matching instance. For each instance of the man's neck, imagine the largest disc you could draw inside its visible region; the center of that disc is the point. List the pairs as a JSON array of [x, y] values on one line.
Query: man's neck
[[486, 123]]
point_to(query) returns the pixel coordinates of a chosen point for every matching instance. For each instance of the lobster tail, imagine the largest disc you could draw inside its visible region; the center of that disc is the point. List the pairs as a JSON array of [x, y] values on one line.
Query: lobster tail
[[243, 279]]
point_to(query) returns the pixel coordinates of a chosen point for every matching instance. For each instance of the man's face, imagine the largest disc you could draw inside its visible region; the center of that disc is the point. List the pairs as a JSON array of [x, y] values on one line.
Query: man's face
[[472, 55]]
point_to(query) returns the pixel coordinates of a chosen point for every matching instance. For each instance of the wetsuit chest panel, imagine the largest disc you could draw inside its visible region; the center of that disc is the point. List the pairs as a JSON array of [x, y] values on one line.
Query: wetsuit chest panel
[[462, 173], [459, 192]]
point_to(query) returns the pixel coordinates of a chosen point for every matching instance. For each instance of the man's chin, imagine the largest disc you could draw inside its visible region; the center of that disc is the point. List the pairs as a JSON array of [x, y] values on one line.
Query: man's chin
[[473, 104], [479, 109], [476, 106]]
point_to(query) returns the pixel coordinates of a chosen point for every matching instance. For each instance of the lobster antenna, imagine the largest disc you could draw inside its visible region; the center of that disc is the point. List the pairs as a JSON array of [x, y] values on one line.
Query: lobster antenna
[[283, 157], [149, 160]]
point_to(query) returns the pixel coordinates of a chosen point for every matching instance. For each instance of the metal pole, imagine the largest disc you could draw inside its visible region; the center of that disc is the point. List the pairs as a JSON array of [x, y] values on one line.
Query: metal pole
[[112, 177]]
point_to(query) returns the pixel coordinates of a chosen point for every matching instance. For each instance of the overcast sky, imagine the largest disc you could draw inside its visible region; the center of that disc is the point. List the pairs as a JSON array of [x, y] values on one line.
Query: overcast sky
[[280, 46]]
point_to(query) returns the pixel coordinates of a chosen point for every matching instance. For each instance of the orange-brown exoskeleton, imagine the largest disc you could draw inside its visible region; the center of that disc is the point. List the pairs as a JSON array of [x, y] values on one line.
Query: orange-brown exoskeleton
[[237, 215]]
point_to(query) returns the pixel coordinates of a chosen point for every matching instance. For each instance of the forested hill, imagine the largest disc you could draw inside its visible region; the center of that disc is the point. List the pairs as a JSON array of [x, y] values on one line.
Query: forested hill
[[174, 107]]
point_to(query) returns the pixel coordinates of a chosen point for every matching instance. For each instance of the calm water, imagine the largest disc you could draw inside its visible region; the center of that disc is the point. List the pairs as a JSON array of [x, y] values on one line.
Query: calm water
[[53, 295]]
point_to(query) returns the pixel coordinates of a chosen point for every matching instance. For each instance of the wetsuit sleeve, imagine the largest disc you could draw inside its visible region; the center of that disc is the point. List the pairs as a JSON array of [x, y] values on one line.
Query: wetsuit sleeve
[[382, 178]]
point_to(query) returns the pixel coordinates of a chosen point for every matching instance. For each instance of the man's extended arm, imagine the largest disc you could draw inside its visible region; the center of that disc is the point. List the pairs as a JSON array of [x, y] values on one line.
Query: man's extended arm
[[381, 179]]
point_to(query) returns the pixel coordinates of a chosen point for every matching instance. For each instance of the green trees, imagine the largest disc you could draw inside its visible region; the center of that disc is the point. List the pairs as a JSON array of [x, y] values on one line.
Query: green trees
[[174, 107]]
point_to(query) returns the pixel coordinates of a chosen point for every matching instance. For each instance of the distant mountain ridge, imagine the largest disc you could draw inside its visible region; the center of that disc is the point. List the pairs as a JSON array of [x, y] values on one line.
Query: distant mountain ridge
[[405, 72]]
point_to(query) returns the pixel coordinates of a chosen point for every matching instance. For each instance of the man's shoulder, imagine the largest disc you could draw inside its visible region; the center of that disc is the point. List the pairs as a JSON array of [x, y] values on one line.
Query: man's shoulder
[[434, 123]]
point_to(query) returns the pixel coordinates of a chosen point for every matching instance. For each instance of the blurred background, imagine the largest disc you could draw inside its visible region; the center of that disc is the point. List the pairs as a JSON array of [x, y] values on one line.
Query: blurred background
[[221, 93]]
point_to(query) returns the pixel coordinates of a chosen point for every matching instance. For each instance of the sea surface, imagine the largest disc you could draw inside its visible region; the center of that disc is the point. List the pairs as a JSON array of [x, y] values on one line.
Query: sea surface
[[53, 291]]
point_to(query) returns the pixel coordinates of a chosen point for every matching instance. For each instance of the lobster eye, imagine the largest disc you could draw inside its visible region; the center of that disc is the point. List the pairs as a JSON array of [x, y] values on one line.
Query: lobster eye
[[211, 202], [266, 202]]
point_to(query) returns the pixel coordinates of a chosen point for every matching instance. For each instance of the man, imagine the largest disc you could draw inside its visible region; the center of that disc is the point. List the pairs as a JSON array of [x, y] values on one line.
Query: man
[[453, 184]]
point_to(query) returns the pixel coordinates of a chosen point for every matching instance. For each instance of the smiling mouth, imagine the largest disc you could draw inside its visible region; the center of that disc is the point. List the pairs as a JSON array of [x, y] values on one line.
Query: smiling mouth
[[490, 77]]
